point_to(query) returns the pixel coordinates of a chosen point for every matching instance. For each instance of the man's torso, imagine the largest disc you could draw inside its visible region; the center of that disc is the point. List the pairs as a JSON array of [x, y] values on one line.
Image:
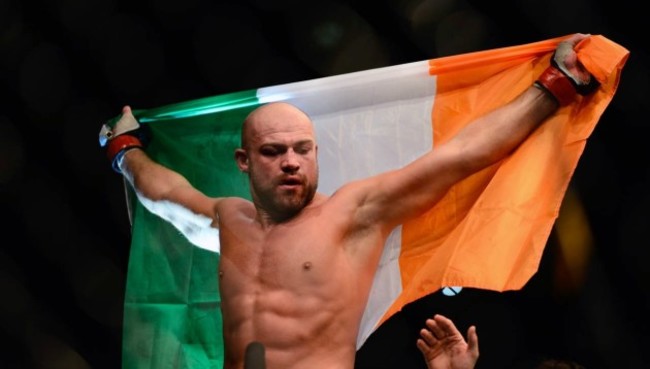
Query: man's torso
[[299, 287]]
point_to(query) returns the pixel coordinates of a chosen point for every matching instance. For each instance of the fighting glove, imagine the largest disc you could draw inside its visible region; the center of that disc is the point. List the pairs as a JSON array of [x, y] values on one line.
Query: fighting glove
[[566, 76], [123, 136]]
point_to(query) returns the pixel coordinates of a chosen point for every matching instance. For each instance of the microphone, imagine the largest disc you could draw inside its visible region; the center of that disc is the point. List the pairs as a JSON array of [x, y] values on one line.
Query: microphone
[[254, 356]]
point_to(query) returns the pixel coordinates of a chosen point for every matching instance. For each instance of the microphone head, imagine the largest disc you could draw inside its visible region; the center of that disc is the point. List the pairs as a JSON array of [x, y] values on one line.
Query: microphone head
[[254, 356]]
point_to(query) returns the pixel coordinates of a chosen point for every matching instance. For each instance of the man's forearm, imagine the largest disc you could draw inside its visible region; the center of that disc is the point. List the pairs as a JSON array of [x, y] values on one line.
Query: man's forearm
[[149, 178], [495, 135]]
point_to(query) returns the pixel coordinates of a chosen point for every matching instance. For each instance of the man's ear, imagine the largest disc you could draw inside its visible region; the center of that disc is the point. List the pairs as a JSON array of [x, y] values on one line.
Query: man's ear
[[241, 157]]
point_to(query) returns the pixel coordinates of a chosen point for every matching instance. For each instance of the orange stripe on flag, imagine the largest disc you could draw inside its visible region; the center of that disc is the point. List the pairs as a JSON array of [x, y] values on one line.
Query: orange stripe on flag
[[490, 230]]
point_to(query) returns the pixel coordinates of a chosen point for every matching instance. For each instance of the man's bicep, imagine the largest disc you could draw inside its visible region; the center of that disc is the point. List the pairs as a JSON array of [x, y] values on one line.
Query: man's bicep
[[403, 194], [192, 213], [194, 200]]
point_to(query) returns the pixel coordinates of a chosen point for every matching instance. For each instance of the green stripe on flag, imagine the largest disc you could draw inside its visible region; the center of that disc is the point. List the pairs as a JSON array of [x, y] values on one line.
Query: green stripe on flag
[[172, 316], [204, 106]]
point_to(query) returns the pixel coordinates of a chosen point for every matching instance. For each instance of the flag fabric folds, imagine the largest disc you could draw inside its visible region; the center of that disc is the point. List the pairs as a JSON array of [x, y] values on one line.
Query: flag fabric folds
[[488, 232]]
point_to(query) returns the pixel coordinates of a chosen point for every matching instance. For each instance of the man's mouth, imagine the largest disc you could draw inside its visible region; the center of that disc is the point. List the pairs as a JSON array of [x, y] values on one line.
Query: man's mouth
[[290, 183]]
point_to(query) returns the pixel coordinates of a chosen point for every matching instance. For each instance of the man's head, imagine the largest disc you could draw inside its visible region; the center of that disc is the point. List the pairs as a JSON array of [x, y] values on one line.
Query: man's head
[[279, 153]]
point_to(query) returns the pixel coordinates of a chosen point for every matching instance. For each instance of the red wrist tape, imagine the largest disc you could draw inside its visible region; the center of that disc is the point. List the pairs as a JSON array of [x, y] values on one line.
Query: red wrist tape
[[558, 85], [120, 143]]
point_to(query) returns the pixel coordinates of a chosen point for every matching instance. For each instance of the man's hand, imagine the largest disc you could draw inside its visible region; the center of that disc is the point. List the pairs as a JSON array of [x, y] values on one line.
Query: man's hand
[[444, 347], [567, 76], [125, 135], [566, 60]]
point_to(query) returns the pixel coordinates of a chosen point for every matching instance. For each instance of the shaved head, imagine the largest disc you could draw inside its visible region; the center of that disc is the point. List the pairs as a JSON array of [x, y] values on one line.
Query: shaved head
[[270, 114]]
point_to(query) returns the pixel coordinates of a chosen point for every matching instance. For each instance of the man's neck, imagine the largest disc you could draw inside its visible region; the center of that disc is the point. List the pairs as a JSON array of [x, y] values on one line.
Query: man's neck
[[268, 219]]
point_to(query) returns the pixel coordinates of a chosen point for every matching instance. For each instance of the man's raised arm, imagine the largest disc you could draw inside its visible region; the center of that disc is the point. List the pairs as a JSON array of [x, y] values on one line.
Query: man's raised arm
[[161, 190], [483, 142]]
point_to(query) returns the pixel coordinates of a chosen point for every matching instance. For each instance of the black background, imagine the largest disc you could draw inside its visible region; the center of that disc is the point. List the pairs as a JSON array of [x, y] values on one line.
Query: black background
[[67, 66]]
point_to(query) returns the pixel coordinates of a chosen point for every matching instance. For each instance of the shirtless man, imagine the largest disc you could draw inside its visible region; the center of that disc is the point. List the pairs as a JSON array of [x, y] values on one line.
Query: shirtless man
[[297, 266]]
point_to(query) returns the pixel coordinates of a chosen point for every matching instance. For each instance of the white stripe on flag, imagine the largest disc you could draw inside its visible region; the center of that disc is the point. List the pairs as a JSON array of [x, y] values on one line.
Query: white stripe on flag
[[366, 123]]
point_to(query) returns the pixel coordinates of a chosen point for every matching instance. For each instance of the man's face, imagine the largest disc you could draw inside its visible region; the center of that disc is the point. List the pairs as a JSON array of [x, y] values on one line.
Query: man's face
[[281, 160]]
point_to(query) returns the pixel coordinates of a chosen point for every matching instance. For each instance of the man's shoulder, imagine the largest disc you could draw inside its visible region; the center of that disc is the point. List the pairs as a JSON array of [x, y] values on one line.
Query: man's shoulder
[[234, 208], [236, 202]]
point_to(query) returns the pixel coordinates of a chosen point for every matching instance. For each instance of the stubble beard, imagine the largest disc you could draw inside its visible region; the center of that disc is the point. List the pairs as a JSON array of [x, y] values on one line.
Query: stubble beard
[[279, 204]]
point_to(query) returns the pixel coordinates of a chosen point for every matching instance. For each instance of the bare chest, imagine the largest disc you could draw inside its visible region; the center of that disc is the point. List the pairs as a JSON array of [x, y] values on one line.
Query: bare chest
[[303, 255]]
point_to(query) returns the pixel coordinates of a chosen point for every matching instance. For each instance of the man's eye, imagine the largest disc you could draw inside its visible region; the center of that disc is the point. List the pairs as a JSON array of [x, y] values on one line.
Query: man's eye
[[268, 152], [303, 150]]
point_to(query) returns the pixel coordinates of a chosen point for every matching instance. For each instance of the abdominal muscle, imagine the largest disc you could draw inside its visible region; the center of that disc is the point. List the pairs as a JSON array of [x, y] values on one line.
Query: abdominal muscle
[[295, 334], [295, 293]]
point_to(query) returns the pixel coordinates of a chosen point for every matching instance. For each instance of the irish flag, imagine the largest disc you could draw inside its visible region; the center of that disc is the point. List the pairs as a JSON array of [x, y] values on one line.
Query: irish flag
[[488, 232]]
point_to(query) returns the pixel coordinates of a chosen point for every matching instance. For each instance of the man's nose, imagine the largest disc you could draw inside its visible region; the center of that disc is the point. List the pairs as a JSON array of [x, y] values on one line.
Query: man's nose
[[290, 162]]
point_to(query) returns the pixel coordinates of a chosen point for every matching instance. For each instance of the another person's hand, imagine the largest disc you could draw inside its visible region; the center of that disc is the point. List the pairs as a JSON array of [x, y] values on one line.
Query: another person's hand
[[444, 347]]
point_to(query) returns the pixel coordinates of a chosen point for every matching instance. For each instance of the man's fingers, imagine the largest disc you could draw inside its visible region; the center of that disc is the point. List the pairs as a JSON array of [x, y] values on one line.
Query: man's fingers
[[446, 326], [436, 328], [576, 38], [422, 346], [472, 340], [426, 335]]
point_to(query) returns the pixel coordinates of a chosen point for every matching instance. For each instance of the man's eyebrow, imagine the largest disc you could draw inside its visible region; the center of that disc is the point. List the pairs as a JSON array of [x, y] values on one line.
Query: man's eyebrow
[[301, 142], [304, 142]]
